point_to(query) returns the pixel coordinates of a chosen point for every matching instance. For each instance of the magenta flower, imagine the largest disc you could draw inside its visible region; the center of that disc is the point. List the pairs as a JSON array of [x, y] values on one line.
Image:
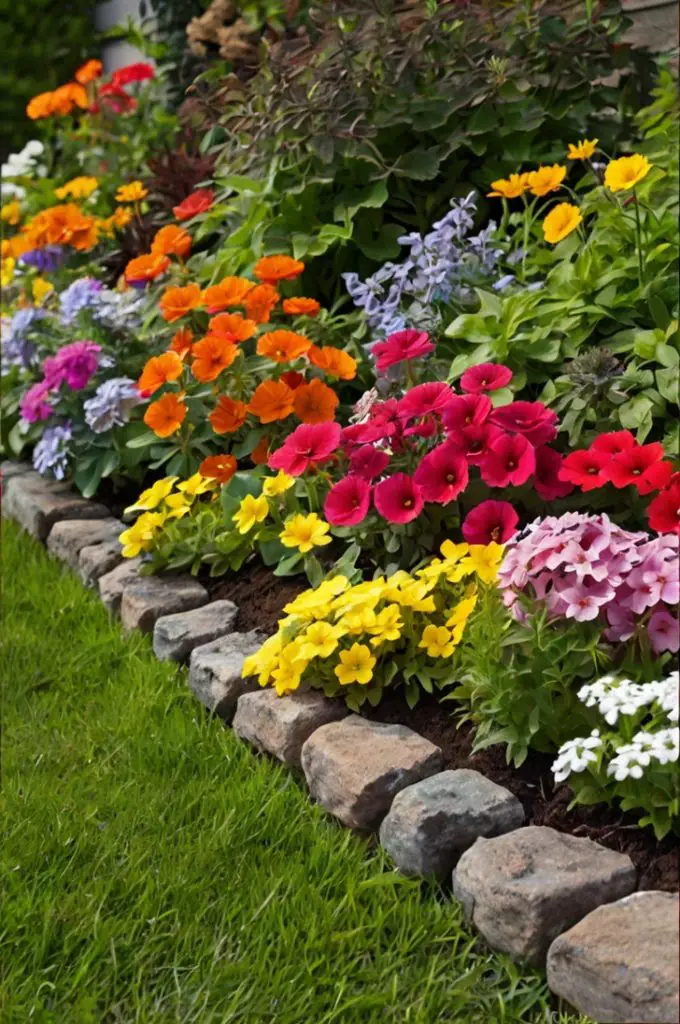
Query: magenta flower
[[442, 474], [347, 503], [547, 481], [511, 460], [490, 522], [466, 411], [664, 631], [475, 441], [310, 443], [425, 399], [73, 364], [531, 419], [400, 346], [33, 405], [368, 462], [399, 499], [485, 377]]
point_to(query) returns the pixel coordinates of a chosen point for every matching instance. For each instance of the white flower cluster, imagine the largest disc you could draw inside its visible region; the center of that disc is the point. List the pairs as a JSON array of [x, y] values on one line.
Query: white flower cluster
[[18, 165]]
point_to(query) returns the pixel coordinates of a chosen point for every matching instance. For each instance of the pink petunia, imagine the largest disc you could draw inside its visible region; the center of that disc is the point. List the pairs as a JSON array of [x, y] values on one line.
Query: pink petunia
[[546, 479], [511, 460], [490, 522], [475, 441], [466, 411], [309, 443], [442, 474], [584, 601], [531, 419], [33, 404], [399, 499], [424, 427], [485, 377], [401, 346], [368, 462], [425, 399], [347, 503], [664, 631]]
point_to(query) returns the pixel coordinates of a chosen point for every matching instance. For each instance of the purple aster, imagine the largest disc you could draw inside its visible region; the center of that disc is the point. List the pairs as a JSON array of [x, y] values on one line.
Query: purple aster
[[33, 404], [73, 364], [51, 453], [111, 404]]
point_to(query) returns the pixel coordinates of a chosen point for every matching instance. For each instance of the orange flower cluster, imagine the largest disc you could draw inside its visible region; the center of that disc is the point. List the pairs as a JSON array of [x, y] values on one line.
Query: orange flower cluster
[[168, 241], [66, 98], [65, 224]]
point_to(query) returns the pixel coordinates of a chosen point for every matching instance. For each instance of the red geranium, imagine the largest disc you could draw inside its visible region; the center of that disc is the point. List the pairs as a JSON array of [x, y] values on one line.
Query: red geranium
[[308, 444], [485, 377], [642, 467], [664, 510], [586, 469], [511, 460], [532, 419], [466, 410], [399, 499], [490, 522], [368, 462], [197, 202], [442, 474], [400, 346], [347, 503], [612, 444], [115, 98], [139, 72], [547, 477]]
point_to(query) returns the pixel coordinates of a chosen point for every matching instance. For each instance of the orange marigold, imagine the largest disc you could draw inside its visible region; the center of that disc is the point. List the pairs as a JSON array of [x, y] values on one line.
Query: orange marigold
[[166, 415], [67, 97], [283, 346], [159, 370], [40, 106], [315, 402], [172, 241], [88, 71], [218, 467], [181, 342], [229, 292], [228, 415], [260, 453], [272, 400], [271, 269], [333, 361], [212, 354], [260, 302], [232, 326], [177, 302], [301, 307], [146, 268]]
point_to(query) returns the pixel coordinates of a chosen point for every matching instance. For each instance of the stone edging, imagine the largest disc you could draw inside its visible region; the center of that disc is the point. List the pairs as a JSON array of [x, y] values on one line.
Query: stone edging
[[537, 894]]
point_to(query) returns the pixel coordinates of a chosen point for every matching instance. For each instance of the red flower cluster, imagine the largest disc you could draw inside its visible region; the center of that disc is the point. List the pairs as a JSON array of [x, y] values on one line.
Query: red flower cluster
[[112, 94]]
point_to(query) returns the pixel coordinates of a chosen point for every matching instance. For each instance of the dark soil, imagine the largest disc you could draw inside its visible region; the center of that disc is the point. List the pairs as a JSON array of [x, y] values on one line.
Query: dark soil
[[657, 863], [258, 593]]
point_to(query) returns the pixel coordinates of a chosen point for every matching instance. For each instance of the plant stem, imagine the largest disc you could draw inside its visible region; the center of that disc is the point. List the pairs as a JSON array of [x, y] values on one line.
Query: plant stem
[[638, 231]]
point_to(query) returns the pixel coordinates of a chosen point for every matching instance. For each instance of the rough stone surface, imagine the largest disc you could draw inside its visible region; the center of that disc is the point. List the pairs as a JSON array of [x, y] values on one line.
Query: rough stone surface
[[113, 583], [215, 671], [9, 468], [354, 768], [96, 560], [67, 538], [280, 725], [620, 963], [433, 821], [147, 598], [175, 636], [37, 504], [523, 889]]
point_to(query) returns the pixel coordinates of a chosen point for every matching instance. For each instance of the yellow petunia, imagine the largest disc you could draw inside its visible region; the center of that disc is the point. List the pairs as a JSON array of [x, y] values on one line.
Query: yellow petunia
[[305, 532], [560, 222], [319, 640], [40, 288], [195, 485], [77, 188], [462, 611], [251, 511], [582, 150], [131, 193], [180, 506], [437, 641], [510, 188], [356, 665], [358, 621], [546, 179], [264, 661], [626, 172], [274, 486], [153, 496], [387, 626], [139, 537], [485, 560], [417, 597]]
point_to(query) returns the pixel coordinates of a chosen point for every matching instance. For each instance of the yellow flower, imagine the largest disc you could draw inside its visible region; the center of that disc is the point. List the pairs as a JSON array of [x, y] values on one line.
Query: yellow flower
[[179, 504], [40, 288], [288, 673], [305, 533], [415, 596], [356, 665], [388, 625], [77, 188], [546, 179], [363, 595], [626, 172], [319, 640], [273, 486], [139, 536], [560, 222], [582, 150], [510, 187], [7, 270], [195, 485], [462, 611], [264, 661], [153, 496], [131, 193], [10, 213], [437, 641], [485, 560], [357, 621], [251, 511]]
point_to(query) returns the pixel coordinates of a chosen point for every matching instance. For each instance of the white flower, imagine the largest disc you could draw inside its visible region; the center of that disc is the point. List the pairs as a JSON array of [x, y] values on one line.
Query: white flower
[[576, 755], [663, 746], [629, 762], [624, 699]]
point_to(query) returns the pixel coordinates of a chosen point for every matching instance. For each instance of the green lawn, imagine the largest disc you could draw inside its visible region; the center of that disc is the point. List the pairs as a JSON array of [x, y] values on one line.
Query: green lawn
[[155, 870]]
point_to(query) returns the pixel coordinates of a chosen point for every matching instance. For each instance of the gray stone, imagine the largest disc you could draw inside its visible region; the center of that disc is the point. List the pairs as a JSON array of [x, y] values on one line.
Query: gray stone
[[432, 822], [96, 560], [147, 598], [9, 468], [37, 504], [67, 538], [354, 768], [523, 889], [215, 671], [620, 963], [175, 636], [113, 583], [280, 725]]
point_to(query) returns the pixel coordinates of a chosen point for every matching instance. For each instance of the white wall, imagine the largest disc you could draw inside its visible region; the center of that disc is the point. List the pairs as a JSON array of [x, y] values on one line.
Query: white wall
[[116, 12]]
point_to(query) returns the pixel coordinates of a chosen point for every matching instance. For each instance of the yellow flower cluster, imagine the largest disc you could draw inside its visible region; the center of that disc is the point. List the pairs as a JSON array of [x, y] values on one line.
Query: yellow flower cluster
[[158, 504], [354, 635]]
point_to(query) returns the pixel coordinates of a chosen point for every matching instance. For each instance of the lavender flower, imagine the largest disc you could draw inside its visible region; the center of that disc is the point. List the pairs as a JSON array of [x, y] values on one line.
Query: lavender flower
[[17, 347], [44, 260], [111, 404], [82, 294], [117, 310], [52, 452]]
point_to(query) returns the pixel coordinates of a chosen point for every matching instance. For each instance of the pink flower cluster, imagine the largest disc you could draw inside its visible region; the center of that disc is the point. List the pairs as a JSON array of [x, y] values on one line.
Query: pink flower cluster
[[584, 567], [73, 365]]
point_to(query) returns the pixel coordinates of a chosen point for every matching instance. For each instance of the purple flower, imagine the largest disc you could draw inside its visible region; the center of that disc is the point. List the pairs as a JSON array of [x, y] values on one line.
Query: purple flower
[[45, 260], [33, 405], [111, 404], [17, 347], [51, 453], [80, 295], [74, 364]]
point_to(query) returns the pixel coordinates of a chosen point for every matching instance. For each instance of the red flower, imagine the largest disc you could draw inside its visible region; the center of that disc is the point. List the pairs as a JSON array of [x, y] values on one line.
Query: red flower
[[399, 499], [132, 73], [383, 423], [531, 419], [400, 346], [485, 377], [308, 444], [586, 469], [466, 410], [511, 460], [425, 399], [292, 378], [547, 480], [348, 502], [492, 521], [475, 441], [641, 466], [425, 427], [115, 98], [664, 510], [612, 444], [442, 474], [197, 202], [368, 462]]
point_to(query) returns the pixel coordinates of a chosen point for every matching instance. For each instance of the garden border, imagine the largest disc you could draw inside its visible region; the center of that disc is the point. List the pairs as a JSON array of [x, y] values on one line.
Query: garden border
[[537, 894]]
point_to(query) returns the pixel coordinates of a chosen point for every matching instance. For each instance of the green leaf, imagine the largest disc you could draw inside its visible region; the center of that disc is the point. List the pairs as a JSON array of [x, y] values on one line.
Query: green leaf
[[142, 440], [420, 164], [289, 565]]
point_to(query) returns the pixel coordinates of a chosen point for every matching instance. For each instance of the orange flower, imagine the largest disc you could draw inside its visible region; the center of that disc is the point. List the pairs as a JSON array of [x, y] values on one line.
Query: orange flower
[[301, 307], [83, 233], [283, 346], [218, 467], [119, 219], [40, 106], [260, 302], [17, 246], [277, 268], [228, 415], [229, 292], [232, 326], [260, 453], [212, 354], [166, 415], [172, 241], [272, 400], [177, 302], [333, 361], [65, 224], [181, 342], [159, 370], [69, 96], [315, 402], [146, 268], [88, 71]]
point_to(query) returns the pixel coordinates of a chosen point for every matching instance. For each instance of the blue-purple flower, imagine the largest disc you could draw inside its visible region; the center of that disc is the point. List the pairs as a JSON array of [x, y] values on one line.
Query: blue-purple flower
[[17, 347], [44, 260], [52, 451], [111, 404], [82, 294]]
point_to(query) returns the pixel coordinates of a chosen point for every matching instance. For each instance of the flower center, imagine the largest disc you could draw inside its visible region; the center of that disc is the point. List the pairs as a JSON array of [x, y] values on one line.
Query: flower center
[[495, 534], [512, 464], [450, 478], [408, 503], [637, 472]]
